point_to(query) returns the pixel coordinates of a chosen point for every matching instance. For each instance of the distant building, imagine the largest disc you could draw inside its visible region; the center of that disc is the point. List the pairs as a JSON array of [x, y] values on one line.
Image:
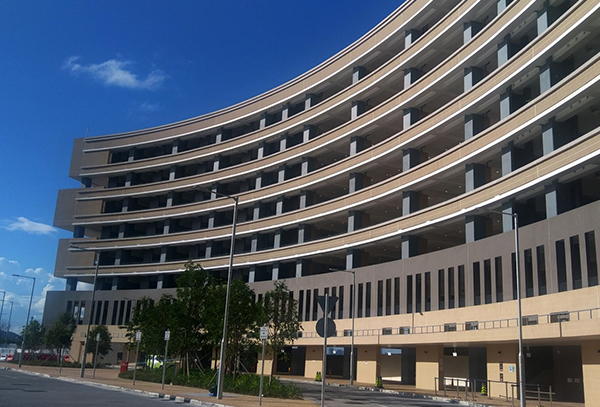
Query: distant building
[[392, 159]]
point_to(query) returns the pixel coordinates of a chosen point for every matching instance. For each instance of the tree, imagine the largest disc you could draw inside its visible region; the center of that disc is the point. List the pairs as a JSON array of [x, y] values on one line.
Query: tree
[[60, 335], [281, 315], [34, 335], [104, 344]]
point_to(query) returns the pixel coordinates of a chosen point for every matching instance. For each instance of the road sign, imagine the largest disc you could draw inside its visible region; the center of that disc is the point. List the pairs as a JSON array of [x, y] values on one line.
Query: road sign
[[330, 327], [167, 335], [264, 332], [331, 305], [138, 336]]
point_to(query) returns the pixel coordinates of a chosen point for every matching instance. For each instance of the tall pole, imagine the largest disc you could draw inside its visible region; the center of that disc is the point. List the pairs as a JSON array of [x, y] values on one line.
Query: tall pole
[[8, 327], [520, 320], [167, 337], [87, 332], [229, 273], [353, 307], [324, 364], [2, 306], [96, 354], [27, 321], [138, 338]]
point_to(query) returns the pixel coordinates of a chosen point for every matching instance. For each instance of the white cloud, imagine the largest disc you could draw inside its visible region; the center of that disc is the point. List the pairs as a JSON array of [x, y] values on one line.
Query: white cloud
[[30, 226], [116, 73], [37, 271], [150, 107]]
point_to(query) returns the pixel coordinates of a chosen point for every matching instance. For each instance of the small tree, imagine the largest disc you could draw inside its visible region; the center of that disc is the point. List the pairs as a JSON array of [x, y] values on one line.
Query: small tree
[[104, 344], [281, 315], [60, 335], [34, 335]]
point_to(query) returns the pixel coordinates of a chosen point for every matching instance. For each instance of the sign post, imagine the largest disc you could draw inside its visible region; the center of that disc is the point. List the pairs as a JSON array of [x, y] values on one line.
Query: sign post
[[138, 338], [167, 337], [325, 328], [264, 335]]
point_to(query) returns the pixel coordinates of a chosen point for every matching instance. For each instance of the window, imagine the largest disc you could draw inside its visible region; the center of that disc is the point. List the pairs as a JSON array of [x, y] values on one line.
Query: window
[[396, 295], [471, 326], [559, 317], [530, 320], [315, 306], [450, 327], [513, 259], [409, 295], [418, 290], [476, 283], [428, 291], [388, 296], [498, 271], [347, 332], [307, 309], [300, 305], [451, 288], [334, 309], [379, 298], [541, 270], [561, 265], [461, 286], [441, 289], [575, 261], [528, 260], [487, 280], [386, 331], [404, 330], [591, 259], [341, 302], [368, 300], [359, 307]]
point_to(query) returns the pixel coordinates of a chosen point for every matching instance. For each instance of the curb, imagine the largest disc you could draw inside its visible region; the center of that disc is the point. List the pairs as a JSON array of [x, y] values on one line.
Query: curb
[[396, 392]]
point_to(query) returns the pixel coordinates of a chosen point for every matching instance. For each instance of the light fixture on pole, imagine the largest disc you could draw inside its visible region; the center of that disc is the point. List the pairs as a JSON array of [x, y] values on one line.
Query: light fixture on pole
[[87, 332], [229, 274], [515, 218], [353, 306], [27, 321]]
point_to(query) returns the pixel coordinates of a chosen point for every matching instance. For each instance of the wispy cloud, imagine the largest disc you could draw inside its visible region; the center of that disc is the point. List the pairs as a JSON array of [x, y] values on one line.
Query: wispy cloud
[[150, 107], [29, 226], [116, 73]]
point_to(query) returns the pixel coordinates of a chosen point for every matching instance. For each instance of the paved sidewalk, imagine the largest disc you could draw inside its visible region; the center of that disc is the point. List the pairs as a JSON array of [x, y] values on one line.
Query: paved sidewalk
[[109, 378]]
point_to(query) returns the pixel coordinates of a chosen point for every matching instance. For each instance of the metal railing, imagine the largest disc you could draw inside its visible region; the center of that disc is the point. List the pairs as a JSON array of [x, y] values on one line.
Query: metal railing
[[540, 319], [470, 389]]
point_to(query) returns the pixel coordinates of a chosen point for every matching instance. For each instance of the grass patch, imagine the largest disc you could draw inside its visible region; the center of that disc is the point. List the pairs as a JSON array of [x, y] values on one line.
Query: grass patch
[[247, 383]]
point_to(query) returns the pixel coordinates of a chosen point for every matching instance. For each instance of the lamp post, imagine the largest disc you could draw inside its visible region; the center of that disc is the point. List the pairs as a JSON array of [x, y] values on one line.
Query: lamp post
[[27, 321], [353, 305], [8, 326], [2, 306], [87, 332], [515, 218], [223, 353]]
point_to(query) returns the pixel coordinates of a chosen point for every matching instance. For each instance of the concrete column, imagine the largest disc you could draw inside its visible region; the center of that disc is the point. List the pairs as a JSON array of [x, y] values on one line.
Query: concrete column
[[285, 112], [358, 108], [310, 101], [357, 144], [551, 73], [261, 150], [118, 257], [507, 226], [308, 165], [277, 238], [126, 203], [279, 205], [283, 142], [472, 76], [219, 136], [546, 16], [211, 219], [209, 249], [309, 133], [510, 102], [557, 199], [306, 199], [131, 156], [358, 72], [509, 158], [356, 182], [159, 283], [258, 180], [170, 199], [506, 50], [475, 227], [355, 220], [71, 284], [557, 134], [281, 173], [172, 172], [470, 30], [254, 242], [115, 284], [258, 206], [301, 265], [175, 147], [410, 247], [474, 176], [474, 124], [304, 232], [252, 274], [411, 116], [410, 158], [217, 163], [275, 271], [128, 178], [502, 4], [353, 258], [411, 75], [263, 121], [411, 36], [410, 202]]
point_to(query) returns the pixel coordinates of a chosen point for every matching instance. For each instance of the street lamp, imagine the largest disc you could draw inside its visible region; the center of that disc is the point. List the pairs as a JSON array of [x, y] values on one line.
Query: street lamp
[[515, 218], [229, 273], [27, 321], [2, 306], [87, 332], [8, 326], [353, 305]]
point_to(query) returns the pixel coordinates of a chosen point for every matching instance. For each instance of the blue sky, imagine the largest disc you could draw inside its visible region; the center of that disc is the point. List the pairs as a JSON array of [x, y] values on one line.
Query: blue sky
[[73, 67]]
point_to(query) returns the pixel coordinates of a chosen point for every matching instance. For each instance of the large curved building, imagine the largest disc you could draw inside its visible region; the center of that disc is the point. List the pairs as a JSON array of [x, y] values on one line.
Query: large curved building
[[401, 159]]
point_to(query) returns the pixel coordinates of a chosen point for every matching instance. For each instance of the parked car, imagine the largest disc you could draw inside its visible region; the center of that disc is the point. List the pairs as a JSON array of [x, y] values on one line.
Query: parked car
[[2, 358], [10, 358]]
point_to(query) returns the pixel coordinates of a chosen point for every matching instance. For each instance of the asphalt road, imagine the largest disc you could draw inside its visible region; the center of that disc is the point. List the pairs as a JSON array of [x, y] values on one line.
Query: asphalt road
[[345, 396], [24, 390]]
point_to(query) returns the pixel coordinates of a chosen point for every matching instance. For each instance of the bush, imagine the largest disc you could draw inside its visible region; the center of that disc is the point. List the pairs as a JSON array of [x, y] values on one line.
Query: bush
[[246, 383]]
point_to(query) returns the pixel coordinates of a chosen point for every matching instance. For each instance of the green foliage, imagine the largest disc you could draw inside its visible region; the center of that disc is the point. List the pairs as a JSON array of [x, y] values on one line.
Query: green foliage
[[35, 335], [104, 344], [318, 377], [60, 335], [281, 315], [247, 383], [379, 382]]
